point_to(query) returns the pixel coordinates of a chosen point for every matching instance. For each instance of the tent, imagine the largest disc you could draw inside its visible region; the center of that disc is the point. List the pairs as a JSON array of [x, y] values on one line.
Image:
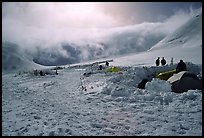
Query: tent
[[184, 81], [165, 75], [113, 69]]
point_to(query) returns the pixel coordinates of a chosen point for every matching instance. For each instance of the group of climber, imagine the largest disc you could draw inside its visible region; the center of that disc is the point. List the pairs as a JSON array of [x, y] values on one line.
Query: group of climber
[[163, 61], [181, 66], [101, 67]]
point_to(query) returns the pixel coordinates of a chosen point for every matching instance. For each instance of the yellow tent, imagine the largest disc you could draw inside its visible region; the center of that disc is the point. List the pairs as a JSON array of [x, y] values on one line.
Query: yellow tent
[[165, 75]]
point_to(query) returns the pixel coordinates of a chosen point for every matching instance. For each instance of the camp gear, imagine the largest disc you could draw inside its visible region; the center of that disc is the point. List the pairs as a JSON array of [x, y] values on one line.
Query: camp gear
[[142, 84], [184, 81]]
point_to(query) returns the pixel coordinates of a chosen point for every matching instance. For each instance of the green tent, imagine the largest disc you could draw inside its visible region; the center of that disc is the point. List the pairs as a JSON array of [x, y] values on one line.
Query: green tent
[[113, 69]]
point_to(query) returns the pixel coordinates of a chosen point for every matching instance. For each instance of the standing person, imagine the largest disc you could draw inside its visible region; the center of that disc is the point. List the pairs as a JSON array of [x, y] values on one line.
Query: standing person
[[56, 71], [181, 66], [157, 61], [171, 61], [163, 61], [36, 72], [100, 67], [41, 73], [107, 63]]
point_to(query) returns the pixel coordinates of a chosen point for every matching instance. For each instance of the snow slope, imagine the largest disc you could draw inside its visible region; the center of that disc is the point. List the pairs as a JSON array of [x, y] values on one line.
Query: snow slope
[[184, 43], [185, 36], [111, 105], [14, 59], [118, 41]]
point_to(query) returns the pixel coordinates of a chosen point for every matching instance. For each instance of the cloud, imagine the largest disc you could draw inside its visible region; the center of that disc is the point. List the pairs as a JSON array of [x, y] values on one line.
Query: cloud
[[60, 15], [31, 25], [176, 20]]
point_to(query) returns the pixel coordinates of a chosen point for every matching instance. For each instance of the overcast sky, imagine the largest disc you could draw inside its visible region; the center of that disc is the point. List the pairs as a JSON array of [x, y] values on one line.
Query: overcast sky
[[93, 14], [51, 23]]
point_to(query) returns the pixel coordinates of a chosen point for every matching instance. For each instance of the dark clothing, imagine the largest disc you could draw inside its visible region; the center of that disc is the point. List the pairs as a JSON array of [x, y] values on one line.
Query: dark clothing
[[41, 73], [157, 62], [142, 84], [181, 67], [100, 67], [171, 61], [36, 72], [163, 61], [107, 64]]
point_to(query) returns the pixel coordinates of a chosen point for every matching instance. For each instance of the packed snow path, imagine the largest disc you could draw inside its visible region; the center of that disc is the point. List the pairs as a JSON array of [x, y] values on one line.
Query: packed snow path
[[47, 105], [56, 105]]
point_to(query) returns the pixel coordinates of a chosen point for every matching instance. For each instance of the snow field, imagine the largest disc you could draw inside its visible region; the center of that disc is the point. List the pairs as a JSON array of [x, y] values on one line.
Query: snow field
[[54, 105]]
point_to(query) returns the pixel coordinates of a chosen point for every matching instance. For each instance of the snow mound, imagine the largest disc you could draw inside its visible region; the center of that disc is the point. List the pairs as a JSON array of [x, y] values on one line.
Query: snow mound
[[123, 87], [158, 85], [190, 95]]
